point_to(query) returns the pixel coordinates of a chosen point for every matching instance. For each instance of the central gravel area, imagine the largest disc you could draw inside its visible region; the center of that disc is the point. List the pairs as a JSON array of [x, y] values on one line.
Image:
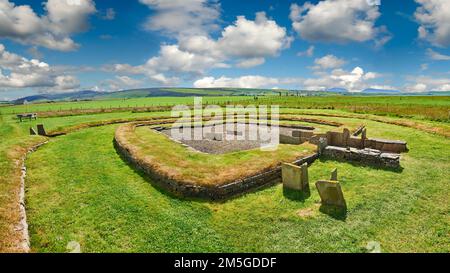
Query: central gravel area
[[228, 141]]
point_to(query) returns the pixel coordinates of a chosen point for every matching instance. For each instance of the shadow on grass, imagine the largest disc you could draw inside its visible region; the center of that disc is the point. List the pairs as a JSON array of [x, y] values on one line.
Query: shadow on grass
[[324, 159], [338, 213], [296, 195]]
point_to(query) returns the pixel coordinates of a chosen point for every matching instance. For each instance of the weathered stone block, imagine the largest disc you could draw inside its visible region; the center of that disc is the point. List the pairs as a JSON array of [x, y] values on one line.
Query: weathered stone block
[[365, 156], [41, 130], [295, 177], [323, 143], [284, 139], [305, 176], [334, 175], [331, 193]]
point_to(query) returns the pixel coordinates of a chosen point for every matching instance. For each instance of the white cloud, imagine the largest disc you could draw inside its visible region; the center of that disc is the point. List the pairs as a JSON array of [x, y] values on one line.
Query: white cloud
[[246, 43], [247, 63], [183, 17], [52, 30], [434, 17], [309, 52], [241, 82], [354, 81], [20, 72], [338, 21], [328, 62], [427, 83], [253, 39], [121, 83], [437, 56]]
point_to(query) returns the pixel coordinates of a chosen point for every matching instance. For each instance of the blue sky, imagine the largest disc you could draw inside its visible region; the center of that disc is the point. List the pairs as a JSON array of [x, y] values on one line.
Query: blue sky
[[69, 45]]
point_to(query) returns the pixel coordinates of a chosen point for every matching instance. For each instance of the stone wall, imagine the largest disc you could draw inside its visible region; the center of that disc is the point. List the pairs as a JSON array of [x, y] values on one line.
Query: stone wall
[[365, 156], [186, 189], [344, 139]]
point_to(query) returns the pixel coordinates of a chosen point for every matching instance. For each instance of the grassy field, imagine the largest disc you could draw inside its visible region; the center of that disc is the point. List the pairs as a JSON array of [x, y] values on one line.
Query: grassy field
[[79, 189], [431, 108], [417, 107], [115, 103]]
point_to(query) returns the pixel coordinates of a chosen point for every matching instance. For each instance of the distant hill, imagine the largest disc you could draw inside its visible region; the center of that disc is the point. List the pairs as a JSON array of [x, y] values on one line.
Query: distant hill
[[143, 93], [189, 92], [337, 90]]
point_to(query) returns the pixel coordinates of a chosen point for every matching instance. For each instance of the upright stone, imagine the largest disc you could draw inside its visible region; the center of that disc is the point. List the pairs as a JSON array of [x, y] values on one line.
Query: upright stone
[[32, 131], [364, 137], [305, 176], [41, 130], [295, 177], [364, 134], [323, 143], [334, 175], [331, 193]]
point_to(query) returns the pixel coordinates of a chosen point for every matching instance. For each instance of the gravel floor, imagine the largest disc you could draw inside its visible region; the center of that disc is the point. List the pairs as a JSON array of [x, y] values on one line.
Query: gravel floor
[[229, 141]]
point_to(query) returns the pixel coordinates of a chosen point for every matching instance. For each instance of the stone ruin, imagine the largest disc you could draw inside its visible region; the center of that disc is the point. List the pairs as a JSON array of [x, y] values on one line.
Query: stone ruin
[[351, 147]]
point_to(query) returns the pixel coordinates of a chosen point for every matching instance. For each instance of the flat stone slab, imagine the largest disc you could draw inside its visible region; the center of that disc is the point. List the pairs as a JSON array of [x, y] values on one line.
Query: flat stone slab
[[331, 193], [365, 156], [295, 177]]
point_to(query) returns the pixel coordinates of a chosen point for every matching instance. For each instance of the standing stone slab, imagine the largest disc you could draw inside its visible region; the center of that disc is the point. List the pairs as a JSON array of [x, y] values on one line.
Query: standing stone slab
[[295, 177], [331, 193], [41, 130], [32, 131], [323, 143], [334, 175]]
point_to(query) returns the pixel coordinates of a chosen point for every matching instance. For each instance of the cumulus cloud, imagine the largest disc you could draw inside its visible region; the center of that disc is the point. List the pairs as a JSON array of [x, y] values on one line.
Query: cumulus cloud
[[52, 30], [437, 56], [427, 83], [240, 82], [328, 62], [182, 17], [434, 17], [121, 83], [353, 81], [20, 72], [245, 44], [339, 21]]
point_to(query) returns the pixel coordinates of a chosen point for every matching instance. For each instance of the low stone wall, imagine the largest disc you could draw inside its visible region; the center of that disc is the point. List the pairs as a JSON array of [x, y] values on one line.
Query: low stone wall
[[365, 156], [187, 189], [344, 139]]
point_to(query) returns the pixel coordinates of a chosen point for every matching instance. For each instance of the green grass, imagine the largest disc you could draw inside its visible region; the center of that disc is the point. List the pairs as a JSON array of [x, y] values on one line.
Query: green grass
[[114, 103], [431, 108], [79, 189], [98, 200]]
